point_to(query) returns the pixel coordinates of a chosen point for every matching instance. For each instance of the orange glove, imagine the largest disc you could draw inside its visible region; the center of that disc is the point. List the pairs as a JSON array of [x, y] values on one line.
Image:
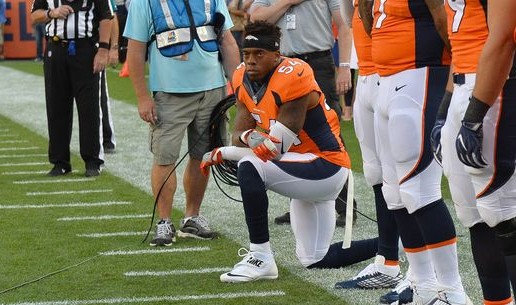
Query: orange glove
[[210, 158]]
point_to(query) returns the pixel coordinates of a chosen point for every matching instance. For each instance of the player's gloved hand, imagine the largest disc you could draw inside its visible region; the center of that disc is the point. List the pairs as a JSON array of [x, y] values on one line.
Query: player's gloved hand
[[435, 140], [469, 139], [469, 144], [210, 158], [262, 144]]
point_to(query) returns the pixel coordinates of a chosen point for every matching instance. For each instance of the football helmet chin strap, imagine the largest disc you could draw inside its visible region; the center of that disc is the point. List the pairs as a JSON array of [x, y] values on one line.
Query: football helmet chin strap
[[285, 136]]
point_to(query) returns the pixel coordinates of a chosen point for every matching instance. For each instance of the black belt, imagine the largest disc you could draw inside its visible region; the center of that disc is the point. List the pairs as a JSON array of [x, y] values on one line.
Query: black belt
[[459, 78], [64, 42], [311, 56]]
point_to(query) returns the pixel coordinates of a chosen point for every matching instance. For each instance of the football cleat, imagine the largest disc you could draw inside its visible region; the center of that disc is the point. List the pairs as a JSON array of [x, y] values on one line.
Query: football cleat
[[376, 275], [402, 290], [452, 298], [420, 297], [254, 266]]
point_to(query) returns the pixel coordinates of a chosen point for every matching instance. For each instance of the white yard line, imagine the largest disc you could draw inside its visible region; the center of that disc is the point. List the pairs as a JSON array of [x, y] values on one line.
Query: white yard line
[[68, 192], [177, 272], [154, 251], [103, 217], [25, 173], [19, 148], [13, 141], [63, 205], [177, 298], [101, 235], [23, 164], [23, 156], [40, 181]]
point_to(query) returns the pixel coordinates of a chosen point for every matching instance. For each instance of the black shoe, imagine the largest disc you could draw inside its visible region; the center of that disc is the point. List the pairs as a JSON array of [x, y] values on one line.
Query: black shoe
[[283, 219], [341, 219], [58, 170], [92, 171], [109, 149]]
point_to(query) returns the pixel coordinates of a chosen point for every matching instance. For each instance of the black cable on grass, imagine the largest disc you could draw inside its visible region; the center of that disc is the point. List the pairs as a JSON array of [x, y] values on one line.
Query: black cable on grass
[[225, 171], [54, 273]]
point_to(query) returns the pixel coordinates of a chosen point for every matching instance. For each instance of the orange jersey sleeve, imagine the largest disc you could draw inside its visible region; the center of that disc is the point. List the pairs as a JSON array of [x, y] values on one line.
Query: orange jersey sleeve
[[293, 79], [467, 30], [362, 44], [405, 37]]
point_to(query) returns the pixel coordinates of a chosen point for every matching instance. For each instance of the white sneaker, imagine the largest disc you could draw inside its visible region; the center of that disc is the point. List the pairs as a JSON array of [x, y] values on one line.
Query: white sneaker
[[452, 298], [255, 266], [376, 275]]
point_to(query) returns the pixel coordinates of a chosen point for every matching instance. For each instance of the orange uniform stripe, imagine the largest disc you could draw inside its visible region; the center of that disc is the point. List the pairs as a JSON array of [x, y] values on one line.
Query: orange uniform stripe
[[391, 263], [467, 30], [415, 250], [363, 45], [443, 243], [502, 302]]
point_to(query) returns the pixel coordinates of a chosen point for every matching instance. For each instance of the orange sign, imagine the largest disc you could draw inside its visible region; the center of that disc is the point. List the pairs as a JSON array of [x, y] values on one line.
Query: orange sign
[[18, 39]]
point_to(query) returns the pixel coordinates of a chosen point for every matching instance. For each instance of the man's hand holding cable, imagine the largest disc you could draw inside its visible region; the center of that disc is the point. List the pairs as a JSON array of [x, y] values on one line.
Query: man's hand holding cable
[[469, 139]]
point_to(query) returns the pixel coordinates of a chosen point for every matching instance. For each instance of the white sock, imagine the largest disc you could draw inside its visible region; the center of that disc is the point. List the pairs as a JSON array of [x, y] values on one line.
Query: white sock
[[262, 248]]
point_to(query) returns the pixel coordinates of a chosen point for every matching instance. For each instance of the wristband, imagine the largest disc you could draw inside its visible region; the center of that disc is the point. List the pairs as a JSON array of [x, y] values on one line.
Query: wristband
[[344, 64], [48, 14], [476, 110], [103, 45], [442, 113]]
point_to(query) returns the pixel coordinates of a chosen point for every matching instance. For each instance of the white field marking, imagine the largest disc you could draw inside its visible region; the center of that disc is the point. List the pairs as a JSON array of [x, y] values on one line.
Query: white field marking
[[100, 235], [103, 217], [67, 192], [53, 181], [23, 164], [4, 130], [64, 205], [154, 251], [177, 272], [176, 298], [18, 148], [13, 141], [23, 156], [25, 173], [7, 135]]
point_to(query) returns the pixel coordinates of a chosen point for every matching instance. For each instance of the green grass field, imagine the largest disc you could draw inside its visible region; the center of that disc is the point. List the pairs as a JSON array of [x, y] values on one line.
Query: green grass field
[[74, 240]]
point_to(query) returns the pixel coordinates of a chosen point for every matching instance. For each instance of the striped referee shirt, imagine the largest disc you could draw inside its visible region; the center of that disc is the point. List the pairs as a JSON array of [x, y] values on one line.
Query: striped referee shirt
[[82, 23]]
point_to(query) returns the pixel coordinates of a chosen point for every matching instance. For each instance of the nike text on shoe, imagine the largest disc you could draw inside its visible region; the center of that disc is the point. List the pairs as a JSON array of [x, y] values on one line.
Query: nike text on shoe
[[376, 275], [255, 266], [165, 234], [196, 227]]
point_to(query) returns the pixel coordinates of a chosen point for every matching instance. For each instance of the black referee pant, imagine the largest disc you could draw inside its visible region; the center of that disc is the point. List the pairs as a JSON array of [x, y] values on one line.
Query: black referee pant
[[67, 77]]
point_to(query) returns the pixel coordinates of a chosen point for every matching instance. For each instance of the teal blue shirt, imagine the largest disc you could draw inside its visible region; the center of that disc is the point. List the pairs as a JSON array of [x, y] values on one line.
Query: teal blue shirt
[[201, 70]]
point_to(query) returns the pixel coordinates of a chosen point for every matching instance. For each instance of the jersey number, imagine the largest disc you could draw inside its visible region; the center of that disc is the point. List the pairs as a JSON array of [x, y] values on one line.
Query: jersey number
[[382, 17], [457, 7]]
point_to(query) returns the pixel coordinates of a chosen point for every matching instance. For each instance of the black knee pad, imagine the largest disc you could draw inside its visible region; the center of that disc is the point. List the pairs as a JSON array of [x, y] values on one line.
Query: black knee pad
[[506, 235]]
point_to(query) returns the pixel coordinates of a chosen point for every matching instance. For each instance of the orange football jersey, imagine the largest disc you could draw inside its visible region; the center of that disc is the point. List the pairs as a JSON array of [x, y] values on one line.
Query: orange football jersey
[[405, 37], [467, 30], [293, 79], [362, 44]]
